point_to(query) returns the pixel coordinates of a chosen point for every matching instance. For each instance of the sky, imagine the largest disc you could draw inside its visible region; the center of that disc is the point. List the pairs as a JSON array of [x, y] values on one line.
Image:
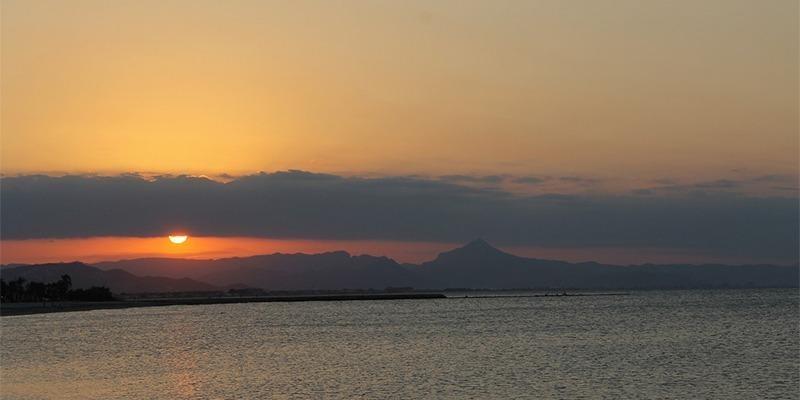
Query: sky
[[621, 131]]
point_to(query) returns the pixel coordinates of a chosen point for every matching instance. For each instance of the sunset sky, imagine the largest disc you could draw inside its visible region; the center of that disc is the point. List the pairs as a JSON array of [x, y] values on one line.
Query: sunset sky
[[617, 131]]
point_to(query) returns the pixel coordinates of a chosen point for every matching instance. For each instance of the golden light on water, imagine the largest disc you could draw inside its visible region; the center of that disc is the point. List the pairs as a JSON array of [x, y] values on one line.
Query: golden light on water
[[178, 239]]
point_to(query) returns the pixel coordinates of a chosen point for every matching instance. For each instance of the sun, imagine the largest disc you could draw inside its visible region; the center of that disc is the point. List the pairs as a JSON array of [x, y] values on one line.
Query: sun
[[178, 239]]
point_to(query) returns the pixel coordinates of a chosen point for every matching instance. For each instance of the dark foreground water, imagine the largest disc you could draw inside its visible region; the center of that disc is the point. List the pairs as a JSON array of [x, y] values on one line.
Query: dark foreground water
[[725, 344]]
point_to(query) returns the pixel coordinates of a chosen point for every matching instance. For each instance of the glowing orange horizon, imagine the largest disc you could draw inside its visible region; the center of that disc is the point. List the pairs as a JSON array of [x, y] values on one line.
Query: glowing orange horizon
[[96, 249]]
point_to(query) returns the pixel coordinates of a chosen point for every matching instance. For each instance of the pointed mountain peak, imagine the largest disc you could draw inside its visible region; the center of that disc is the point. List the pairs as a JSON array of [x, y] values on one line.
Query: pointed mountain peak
[[478, 243], [476, 248]]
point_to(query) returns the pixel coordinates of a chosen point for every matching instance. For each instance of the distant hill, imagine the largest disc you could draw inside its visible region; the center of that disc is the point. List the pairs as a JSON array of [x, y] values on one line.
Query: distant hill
[[476, 265], [119, 281], [325, 271], [479, 265]]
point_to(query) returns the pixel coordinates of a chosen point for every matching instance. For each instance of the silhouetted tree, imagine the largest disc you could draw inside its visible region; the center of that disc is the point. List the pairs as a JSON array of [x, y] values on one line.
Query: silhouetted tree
[[20, 290], [63, 286], [35, 291], [16, 289], [94, 293]]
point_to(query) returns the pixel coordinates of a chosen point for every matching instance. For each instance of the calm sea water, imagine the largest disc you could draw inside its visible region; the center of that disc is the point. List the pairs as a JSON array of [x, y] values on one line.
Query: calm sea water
[[725, 344]]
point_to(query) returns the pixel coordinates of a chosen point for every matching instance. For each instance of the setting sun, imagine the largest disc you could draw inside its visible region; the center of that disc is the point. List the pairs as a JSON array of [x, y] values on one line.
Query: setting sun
[[178, 239]]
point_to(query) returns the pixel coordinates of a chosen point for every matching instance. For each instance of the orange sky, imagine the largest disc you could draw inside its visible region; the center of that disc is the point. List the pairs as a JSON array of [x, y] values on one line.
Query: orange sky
[[670, 88], [118, 248], [115, 248]]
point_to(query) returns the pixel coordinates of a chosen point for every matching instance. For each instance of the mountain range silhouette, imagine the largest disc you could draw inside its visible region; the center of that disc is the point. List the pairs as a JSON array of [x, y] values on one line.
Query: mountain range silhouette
[[476, 265]]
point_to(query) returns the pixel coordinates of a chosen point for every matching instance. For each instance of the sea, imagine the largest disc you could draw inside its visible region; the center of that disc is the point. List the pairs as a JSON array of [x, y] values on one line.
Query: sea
[[681, 344]]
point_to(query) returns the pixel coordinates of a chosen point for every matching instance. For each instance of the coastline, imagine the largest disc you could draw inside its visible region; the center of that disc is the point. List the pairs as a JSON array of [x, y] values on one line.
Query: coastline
[[15, 309]]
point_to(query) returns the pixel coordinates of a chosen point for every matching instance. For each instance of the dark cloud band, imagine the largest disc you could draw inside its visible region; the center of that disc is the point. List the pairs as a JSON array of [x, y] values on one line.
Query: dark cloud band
[[297, 204]]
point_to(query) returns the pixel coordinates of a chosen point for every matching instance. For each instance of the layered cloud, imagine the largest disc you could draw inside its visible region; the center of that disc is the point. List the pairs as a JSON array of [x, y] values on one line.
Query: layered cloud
[[704, 218]]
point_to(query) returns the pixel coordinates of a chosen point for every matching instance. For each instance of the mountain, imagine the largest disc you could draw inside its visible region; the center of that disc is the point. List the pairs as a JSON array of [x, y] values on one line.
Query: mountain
[[479, 265], [475, 265], [333, 270], [119, 281], [167, 267], [325, 271]]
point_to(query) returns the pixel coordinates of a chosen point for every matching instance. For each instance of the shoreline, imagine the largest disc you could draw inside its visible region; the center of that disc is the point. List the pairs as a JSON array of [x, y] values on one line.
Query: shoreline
[[18, 309], [15, 309], [541, 295]]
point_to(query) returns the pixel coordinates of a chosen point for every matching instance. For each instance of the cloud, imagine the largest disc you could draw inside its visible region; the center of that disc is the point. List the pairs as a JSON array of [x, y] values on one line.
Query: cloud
[[300, 204], [505, 181], [719, 184], [776, 178], [775, 184], [579, 180], [486, 179], [528, 180]]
